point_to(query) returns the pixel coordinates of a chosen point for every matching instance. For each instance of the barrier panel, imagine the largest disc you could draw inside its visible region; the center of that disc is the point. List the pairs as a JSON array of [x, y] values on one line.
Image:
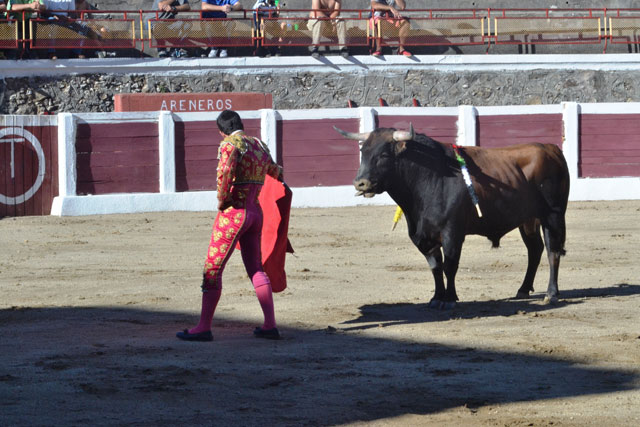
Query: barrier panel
[[502, 130], [624, 26], [609, 145], [434, 28], [312, 155], [85, 32], [296, 32], [28, 165], [9, 34], [548, 26], [197, 32], [117, 157]]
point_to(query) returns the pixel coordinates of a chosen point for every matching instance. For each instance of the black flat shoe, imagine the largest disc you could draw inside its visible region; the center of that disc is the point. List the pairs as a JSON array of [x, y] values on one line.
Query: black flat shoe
[[200, 336], [270, 334]]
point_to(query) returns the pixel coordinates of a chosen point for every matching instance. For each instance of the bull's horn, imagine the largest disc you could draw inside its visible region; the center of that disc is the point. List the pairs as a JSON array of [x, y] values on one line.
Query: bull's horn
[[352, 135], [402, 135]]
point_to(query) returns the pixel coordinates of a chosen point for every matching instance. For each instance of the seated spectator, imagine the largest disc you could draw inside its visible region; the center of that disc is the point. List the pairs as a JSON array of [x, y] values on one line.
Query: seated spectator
[[82, 9], [387, 13], [267, 9], [15, 10], [219, 9], [58, 10], [170, 8], [324, 13]]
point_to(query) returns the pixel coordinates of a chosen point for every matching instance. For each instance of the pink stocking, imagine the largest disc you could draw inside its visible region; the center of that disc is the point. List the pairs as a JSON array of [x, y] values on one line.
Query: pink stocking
[[210, 300], [265, 297]]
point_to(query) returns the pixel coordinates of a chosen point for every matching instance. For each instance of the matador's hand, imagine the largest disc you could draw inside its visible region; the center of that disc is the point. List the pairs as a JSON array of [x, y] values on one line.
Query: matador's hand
[[224, 204]]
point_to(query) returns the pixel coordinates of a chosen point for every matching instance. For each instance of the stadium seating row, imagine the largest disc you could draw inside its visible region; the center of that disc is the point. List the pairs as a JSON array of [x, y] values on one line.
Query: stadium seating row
[[137, 30]]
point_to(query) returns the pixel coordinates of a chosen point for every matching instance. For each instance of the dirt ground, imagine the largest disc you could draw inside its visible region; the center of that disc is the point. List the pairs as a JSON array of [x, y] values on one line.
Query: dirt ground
[[90, 307]]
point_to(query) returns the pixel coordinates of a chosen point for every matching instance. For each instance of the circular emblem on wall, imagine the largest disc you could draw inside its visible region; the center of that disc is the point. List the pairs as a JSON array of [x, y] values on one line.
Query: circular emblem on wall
[[18, 135]]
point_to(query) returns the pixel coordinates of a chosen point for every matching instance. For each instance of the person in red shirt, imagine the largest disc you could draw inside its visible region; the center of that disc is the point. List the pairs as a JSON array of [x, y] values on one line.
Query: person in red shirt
[[243, 163]]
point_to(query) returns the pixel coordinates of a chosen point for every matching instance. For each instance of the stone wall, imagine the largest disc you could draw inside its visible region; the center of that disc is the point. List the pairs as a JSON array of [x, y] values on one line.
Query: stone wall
[[94, 92]]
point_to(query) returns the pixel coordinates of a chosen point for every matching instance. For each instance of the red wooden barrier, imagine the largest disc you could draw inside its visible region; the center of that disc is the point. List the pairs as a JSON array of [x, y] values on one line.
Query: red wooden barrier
[[440, 128], [313, 154], [500, 131], [117, 158], [609, 145], [28, 167]]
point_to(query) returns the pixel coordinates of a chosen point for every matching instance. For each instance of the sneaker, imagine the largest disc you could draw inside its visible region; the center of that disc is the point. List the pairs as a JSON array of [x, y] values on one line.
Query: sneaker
[[213, 53], [405, 53], [344, 52], [315, 53], [270, 334], [161, 54], [377, 53], [179, 53], [223, 53]]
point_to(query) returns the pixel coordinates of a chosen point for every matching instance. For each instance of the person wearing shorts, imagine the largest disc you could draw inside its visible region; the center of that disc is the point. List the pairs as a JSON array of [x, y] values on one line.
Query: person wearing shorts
[[387, 13]]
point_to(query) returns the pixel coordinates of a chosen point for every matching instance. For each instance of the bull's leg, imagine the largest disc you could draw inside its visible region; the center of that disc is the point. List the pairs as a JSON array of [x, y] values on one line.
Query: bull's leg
[[530, 233], [451, 261], [554, 236], [434, 258]]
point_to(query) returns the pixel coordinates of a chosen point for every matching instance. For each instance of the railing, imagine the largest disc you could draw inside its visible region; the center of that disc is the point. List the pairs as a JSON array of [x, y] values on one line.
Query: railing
[[92, 30], [115, 30], [190, 30]]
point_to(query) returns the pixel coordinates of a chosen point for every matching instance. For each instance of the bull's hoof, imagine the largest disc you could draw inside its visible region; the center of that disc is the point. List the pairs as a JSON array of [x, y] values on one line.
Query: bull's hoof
[[448, 305], [550, 300], [436, 304], [522, 295], [442, 305]]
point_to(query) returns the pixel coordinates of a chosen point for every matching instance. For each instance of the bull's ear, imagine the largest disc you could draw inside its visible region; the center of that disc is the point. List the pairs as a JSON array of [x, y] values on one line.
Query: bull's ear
[[399, 147]]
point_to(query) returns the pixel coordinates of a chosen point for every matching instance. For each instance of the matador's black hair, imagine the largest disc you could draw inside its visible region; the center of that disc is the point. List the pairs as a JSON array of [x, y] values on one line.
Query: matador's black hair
[[229, 121]]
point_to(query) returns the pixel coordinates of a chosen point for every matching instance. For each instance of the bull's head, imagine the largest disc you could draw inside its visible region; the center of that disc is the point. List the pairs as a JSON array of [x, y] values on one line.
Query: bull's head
[[379, 150]]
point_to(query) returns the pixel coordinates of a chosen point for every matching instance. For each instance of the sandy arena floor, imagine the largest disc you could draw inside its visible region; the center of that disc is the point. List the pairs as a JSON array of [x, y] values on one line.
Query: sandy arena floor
[[90, 307]]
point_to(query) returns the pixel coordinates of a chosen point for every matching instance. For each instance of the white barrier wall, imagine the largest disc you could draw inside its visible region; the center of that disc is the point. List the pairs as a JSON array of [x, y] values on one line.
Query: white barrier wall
[[167, 199]]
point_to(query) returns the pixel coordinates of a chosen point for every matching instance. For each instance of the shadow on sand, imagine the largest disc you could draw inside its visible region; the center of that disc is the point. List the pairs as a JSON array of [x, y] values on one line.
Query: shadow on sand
[[71, 366], [373, 315]]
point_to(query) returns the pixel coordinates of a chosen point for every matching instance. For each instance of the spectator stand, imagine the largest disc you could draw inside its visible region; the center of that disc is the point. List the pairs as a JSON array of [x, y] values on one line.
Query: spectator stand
[[429, 30]]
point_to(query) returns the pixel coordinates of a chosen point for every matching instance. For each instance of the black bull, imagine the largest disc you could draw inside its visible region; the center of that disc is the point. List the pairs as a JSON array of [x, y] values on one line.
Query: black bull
[[524, 186]]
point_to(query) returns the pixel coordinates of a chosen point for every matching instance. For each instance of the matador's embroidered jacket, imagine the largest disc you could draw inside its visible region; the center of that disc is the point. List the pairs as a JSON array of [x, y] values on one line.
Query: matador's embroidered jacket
[[242, 159]]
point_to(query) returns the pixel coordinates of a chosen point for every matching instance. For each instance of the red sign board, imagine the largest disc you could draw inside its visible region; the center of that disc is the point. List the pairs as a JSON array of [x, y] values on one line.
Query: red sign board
[[191, 102]]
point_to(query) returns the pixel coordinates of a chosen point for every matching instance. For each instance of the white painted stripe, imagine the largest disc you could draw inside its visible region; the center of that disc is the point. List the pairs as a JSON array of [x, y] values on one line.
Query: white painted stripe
[[167, 152], [362, 64], [195, 201], [611, 108], [416, 111], [319, 114], [140, 117], [571, 141], [513, 110]]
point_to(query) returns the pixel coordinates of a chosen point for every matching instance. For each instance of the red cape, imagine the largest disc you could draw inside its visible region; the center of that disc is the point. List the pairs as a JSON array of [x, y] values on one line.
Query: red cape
[[275, 200]]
